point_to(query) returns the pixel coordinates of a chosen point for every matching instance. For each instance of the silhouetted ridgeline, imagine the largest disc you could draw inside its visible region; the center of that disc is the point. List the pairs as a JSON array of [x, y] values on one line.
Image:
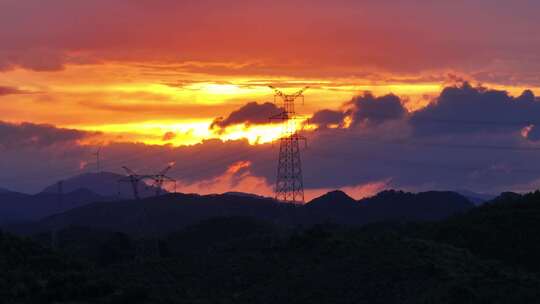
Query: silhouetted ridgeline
[[76, 192], [506, 229], [485, 255], [339, 208], [18, 207], [89, 188], [171, 212], [102, 183]]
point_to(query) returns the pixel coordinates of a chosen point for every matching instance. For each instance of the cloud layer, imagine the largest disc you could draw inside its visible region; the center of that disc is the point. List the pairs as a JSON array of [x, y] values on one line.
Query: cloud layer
[[467, 109], [251, 113], [470, 138], [335, 39], [375, 110], [5, 90], [35, 136]]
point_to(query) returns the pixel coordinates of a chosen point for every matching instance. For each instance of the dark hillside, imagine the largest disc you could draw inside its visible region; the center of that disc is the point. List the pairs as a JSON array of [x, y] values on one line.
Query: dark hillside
[[327, 265], [18, 207], [171, 212], [246, 260], [399, 205], [33, 274], [506, 229]]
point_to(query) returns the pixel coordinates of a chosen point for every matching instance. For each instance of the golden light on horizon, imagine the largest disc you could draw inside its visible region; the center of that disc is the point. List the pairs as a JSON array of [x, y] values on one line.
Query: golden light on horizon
[[128, 102], [153, 132], [220, 89], [259, 134], [184, 133]]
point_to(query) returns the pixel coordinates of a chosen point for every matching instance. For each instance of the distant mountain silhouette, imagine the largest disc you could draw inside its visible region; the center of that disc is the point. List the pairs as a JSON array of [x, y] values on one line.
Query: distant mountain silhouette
[[331, 200], [102, 183], [172, 212], [399, 205], [246, 194], [476, 198], [76, 192], [19, 207], [488, 254], [506, 197], [3, 190], [165, 213], [338, 207], [335, 206]]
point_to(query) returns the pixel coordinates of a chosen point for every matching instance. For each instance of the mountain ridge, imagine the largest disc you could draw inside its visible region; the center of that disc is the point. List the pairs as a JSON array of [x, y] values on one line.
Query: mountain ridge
[[102, 183], [171, 212]]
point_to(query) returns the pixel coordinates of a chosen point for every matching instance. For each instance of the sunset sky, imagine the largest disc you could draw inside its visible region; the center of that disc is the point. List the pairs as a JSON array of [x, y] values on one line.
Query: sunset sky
[[149, 81]]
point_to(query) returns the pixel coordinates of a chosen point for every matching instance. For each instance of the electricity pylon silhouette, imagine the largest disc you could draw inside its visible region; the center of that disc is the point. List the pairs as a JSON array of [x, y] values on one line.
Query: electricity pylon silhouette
[[146, 245], [289, 182], [134, 179], [161, 177], [97, 154]]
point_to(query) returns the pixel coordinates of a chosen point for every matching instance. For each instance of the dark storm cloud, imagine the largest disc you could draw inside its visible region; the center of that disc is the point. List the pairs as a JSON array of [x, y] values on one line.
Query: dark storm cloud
[[468, 148], [30, 169], [465, 109], [326, 118], [471, 138], [374, 110], [363, 109], [405, 153], [251, 113], [15, 136], [195, 163], [481, 162]]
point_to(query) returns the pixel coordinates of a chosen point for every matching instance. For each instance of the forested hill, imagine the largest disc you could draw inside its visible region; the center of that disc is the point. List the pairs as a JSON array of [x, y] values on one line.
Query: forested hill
[[171, 212], [485, 255]]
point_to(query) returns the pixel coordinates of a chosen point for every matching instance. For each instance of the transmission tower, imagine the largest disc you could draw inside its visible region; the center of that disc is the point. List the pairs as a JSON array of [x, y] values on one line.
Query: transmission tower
[[134, 179], [289, 182], [146, 244], [97, 154], [161, 177]]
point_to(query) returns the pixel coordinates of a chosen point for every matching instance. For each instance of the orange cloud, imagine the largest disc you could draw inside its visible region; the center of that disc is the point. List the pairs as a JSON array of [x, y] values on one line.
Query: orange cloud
[[327, 39], [115, 75], [236, 178], [239, 178]]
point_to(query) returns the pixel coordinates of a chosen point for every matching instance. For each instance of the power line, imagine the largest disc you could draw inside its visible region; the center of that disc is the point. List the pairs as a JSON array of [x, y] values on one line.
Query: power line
[[122, 159], [112, 162], [419, 117], [429, 144], [417, 164]]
